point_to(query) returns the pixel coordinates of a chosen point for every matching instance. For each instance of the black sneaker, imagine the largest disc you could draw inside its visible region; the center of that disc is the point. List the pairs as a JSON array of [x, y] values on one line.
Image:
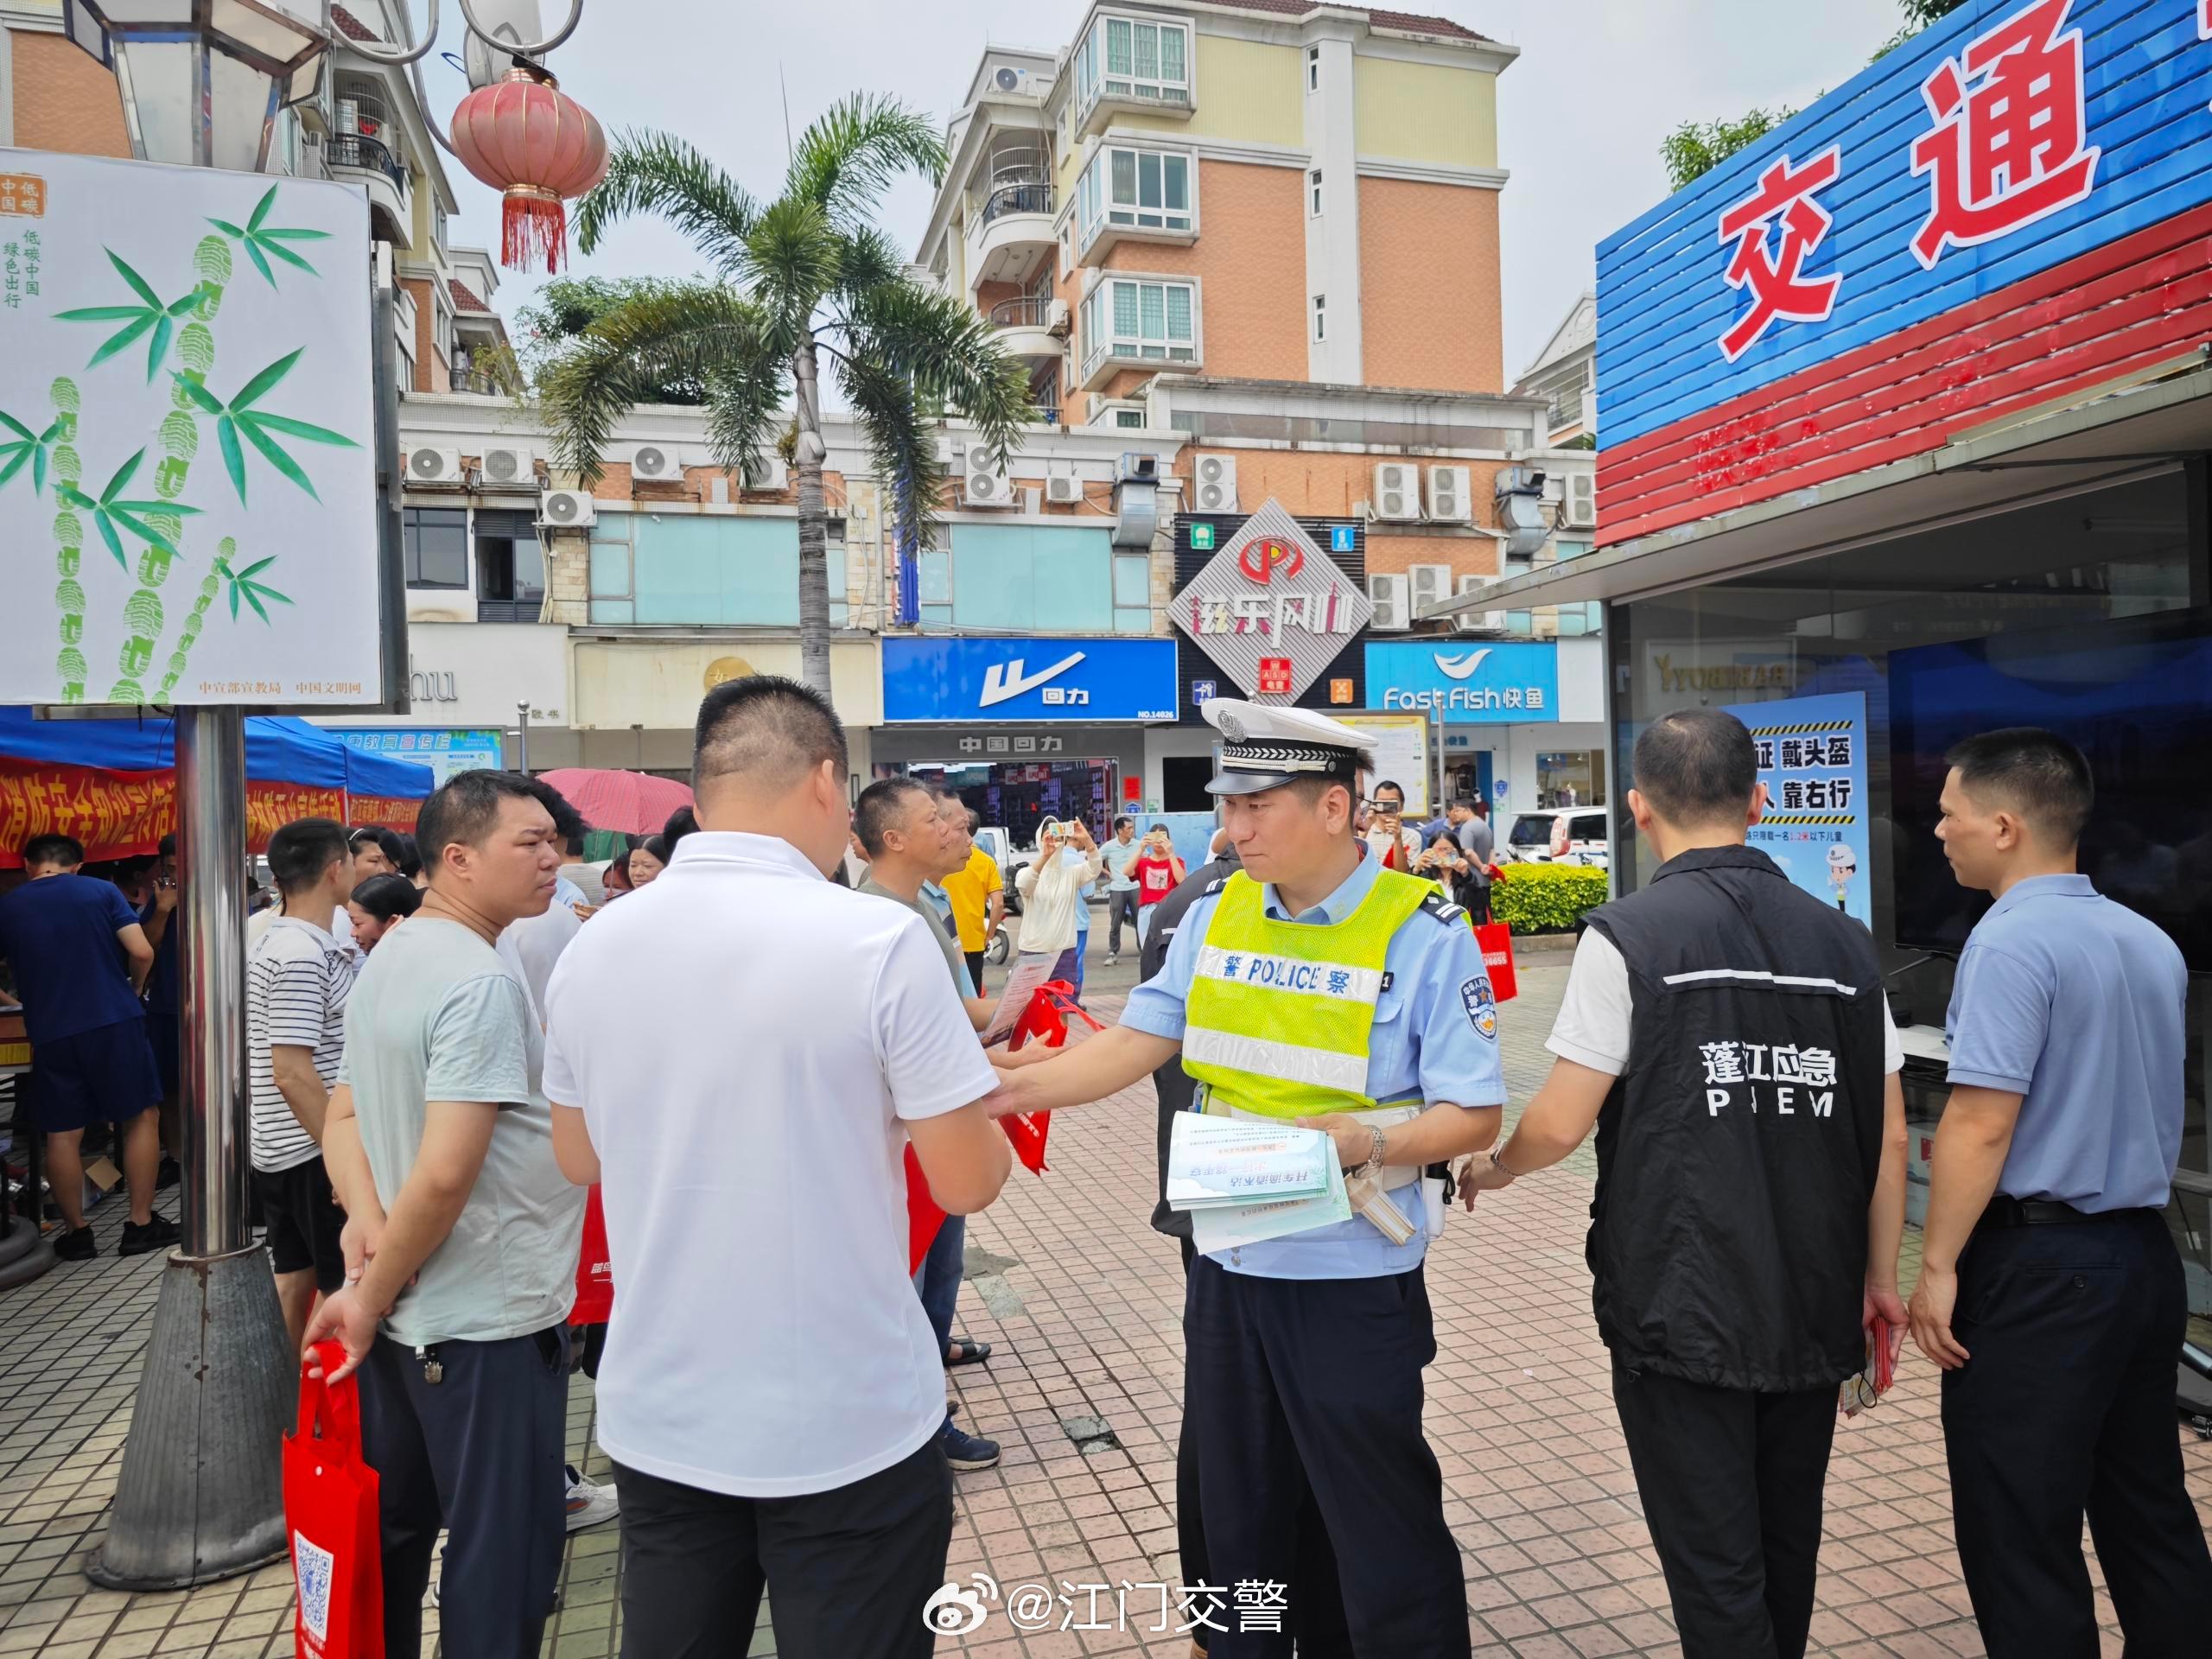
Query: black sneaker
[[76, 1245], [967, 1452], [157, 1234]]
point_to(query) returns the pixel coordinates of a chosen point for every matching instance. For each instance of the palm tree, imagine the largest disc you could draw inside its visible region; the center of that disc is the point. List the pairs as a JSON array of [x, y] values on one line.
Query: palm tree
[[797, 279]]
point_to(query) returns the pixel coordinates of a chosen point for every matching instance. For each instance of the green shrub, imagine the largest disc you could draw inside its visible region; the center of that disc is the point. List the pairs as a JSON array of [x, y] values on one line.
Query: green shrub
[[1545, 897]]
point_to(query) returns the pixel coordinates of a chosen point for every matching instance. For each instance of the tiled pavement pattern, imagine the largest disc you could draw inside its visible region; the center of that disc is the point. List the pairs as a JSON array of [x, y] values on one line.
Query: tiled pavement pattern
[[1083, 1302]]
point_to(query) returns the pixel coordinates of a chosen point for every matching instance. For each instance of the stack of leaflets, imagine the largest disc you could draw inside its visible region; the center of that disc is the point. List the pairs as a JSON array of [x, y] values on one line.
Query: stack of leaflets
[[1244, 1180]]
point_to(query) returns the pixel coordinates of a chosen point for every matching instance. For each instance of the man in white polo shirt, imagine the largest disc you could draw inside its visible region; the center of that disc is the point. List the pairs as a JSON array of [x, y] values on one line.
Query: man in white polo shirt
[[739, 1055]]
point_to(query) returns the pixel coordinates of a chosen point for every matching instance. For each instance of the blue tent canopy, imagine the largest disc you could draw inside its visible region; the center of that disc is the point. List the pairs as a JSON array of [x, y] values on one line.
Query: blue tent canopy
[[279, 748]]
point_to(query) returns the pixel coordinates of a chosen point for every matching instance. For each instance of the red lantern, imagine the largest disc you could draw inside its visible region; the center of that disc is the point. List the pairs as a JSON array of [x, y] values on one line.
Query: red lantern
[[526, 138]]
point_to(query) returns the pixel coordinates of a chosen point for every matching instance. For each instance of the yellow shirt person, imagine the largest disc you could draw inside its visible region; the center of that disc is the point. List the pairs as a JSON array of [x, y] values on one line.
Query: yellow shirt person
[[970, 888]]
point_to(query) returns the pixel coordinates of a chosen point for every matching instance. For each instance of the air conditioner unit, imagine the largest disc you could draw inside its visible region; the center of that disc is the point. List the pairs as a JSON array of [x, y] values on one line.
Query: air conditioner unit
[[1397, 492], [434, 466], [655, 463], [1056, 319], [1007, 79], [1478, 621], [1135, 468], [1580, 509], [1063, 489], [1432, 585], [510, 466], [1387, 596], [774, 474], [567, 509], [984, 486], [1216, 484], [1449, 502]]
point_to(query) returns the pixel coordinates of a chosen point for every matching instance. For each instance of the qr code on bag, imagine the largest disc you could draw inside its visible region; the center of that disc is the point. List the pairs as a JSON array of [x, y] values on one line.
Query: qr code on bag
[[313, 1564]]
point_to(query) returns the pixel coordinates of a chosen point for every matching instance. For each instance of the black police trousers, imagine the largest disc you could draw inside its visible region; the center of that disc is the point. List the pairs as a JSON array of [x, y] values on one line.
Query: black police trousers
[[1732, 1484], [2066, 1406], [1304, 1397]]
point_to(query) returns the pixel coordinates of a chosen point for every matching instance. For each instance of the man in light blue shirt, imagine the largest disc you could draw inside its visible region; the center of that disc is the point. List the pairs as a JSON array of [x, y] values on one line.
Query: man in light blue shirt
[[2052, 1294], [1121, 855], [1282, 1334]]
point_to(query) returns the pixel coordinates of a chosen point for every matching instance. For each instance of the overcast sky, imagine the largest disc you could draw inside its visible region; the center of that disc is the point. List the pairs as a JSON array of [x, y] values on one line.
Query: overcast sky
[[1580, 113]]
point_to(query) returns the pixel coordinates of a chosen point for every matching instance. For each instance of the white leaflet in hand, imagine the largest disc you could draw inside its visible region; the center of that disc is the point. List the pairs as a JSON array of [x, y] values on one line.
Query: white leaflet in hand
[[1219, 1160], [1227, 1227]]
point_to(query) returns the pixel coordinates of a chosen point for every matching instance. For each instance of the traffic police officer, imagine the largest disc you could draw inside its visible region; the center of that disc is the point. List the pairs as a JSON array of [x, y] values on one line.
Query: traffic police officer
[[1726, 1034], [1303, 1377], [2051, 1293]]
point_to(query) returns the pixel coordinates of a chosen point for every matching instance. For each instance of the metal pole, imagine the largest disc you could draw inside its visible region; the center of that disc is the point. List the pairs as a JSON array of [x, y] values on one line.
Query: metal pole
[[211, 847], [522, 737]]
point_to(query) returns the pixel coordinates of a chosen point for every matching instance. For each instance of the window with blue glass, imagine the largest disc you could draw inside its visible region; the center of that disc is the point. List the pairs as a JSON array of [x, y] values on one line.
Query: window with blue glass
[[1026, 579], [679, 569]]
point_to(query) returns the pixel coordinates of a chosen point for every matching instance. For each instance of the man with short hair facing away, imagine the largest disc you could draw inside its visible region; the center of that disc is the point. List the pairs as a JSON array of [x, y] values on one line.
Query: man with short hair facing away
[[1726, 1034], [745, 1112], [79, 958], [2050, 1291], [1121, 854], [297, 979], [976, 888], [463, 1235], [1314, 986]]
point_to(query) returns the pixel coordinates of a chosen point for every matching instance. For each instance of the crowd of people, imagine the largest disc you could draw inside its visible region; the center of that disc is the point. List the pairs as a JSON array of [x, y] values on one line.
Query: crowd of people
[[454, 1037]]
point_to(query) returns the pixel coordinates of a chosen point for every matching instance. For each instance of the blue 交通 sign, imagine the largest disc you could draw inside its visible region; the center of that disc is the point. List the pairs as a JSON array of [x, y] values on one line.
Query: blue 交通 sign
[[1203, 691], [1341, 539], [1462, 683], [1006, 680], [2103, 103], [1812, 758]]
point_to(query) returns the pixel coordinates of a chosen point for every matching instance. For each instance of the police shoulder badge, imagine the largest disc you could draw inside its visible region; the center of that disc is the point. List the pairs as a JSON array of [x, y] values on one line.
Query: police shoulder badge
[[1482, 1007]]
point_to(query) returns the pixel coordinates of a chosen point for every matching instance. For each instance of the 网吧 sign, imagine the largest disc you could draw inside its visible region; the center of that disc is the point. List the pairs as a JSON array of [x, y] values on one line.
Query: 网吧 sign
[[1460, 683], [188, 476], [1812, 758], [1271, 597]]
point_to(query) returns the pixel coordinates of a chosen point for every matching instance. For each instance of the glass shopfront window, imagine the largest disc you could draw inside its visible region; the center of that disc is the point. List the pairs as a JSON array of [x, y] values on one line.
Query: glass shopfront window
[[2052, 583], [1571, 777]]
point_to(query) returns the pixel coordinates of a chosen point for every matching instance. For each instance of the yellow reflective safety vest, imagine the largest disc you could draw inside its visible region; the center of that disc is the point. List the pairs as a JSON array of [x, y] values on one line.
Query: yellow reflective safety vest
[[1280, 1014]]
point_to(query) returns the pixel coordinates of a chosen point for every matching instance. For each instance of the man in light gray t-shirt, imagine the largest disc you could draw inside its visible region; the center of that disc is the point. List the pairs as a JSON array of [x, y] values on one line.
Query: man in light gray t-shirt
[[461, 1236]]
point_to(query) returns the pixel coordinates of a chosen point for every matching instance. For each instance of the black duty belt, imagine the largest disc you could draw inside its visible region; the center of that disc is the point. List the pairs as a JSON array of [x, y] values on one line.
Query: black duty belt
[[2042, 1212]]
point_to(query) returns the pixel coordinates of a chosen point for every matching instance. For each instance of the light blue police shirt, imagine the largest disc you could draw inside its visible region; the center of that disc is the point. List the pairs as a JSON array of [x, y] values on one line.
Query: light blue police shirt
[[1425, 1046], [2075, 1004]]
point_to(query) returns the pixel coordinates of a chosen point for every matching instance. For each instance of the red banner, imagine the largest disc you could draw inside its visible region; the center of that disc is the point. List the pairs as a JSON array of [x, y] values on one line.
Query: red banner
[[125, 814]]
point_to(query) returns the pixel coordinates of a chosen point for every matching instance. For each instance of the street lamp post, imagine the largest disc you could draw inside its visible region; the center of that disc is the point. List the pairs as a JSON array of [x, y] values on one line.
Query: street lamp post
[[200, 1495], [522, 737]]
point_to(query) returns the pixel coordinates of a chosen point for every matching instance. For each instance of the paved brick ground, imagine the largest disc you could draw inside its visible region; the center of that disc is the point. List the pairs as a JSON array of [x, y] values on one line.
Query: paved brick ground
[[1083, 1302]]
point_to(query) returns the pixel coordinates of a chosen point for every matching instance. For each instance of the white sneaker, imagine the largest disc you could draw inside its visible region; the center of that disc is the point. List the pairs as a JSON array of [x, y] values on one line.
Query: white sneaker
[[591, 1504], [1111, 958]]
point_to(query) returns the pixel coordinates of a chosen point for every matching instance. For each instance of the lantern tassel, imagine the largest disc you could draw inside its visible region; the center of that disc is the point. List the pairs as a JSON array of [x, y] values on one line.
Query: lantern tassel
[[533, 223]]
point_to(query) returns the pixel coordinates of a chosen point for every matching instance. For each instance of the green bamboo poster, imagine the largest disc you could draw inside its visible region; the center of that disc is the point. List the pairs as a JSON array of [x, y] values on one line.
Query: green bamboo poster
[[187, 509]]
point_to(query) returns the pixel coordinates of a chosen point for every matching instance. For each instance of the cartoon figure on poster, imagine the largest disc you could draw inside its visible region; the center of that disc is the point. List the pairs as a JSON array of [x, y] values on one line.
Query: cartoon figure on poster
[[1812, 758]]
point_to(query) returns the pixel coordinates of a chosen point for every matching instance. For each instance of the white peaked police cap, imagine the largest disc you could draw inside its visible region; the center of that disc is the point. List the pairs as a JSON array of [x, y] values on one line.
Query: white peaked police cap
[[1264, 746]]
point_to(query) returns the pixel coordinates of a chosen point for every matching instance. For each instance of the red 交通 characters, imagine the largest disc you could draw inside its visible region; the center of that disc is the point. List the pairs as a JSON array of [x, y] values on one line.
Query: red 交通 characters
[[2007, 148], [1774, 275]]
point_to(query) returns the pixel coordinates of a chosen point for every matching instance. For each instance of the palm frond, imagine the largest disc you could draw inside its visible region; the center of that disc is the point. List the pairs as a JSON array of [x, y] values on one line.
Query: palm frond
[[851, 155], [902, 447], [868, 259], [745, 409], [949, 352], [698, 331], [793, 254], [657, 172]]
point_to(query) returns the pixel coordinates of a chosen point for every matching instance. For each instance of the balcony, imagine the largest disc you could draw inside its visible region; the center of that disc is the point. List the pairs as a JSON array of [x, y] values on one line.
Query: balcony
[[354, 156], [1010, 221], [1025, 326], [1132, 63]]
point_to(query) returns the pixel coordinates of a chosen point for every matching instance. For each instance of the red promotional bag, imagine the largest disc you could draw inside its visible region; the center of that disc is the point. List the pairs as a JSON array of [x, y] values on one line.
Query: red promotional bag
[[1496, 941], [595, 1303], [330, 1513]]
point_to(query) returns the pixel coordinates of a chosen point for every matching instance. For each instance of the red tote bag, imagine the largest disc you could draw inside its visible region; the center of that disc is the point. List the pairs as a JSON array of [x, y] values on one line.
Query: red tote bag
[[595, 1303], [1496, 941], [330, 1512]]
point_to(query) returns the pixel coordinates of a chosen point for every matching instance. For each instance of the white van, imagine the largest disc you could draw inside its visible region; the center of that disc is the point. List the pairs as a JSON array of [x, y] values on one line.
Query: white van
[[1565, 835]]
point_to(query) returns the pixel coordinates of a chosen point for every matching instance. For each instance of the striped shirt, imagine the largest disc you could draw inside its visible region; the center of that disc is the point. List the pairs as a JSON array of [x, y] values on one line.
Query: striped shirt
[[297, 979]]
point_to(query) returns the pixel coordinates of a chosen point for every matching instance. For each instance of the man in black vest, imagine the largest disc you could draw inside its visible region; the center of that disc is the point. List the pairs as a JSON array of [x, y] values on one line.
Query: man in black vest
[[1726, 1034]]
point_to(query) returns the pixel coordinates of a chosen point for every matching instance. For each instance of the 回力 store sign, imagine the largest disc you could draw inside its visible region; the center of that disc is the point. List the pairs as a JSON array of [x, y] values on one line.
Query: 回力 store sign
[[2006, 212]]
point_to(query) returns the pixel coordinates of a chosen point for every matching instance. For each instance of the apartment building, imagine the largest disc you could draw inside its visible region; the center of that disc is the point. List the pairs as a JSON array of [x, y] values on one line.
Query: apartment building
[[1271, 228]]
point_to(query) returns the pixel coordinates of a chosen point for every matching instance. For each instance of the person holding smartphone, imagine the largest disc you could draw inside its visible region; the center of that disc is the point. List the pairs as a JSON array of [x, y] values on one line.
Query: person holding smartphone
[[1158, 872]]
